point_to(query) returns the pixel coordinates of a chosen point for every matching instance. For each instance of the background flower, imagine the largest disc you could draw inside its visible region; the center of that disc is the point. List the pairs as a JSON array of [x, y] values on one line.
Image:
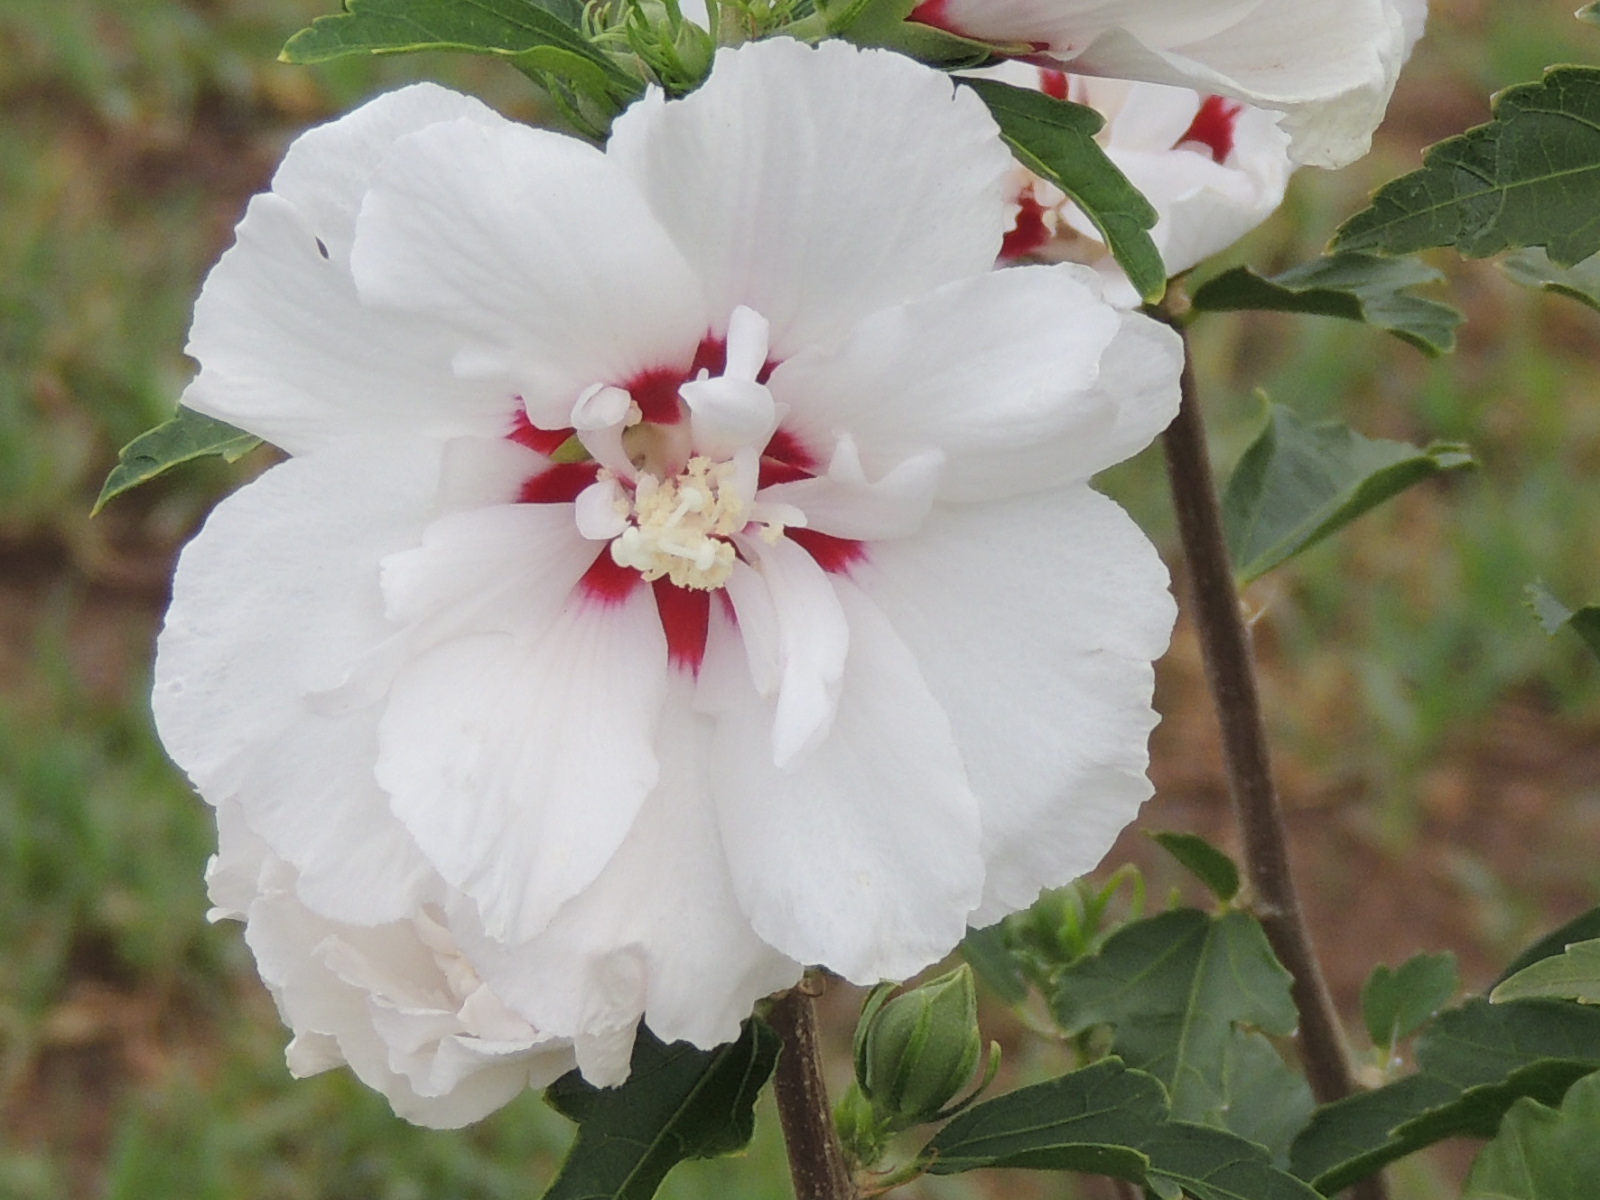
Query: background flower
[[687, 568]]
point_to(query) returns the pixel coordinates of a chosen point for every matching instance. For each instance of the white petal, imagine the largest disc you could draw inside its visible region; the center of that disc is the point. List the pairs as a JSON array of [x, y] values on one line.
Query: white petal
[[601, 510], [790, 179], [665, 904], [813, 638], [1035, 623], [864, 856], [539, 254], [728, 414], [289, 352], [844, 503], [276, 601], [1017, 376], [519, 765], [327, 170]]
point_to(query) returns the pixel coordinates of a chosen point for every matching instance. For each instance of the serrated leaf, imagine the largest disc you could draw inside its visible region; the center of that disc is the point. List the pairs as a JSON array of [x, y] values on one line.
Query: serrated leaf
[[1580, 929], [1174, 989], [1108, 1119], [1532, 268], [504, 27], [1204, 861], [1543, 1153], [1574, 974], [678, 1103], [1474, 1062], [1396, 1003], [188, 435], [1356, 287], [1299, 483], [1530, 177], [1055, 140], [1555, 616], [1268, 1102]]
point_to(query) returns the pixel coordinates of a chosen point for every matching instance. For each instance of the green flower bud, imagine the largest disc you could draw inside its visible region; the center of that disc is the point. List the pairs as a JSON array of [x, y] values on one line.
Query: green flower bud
[[915, 1053]]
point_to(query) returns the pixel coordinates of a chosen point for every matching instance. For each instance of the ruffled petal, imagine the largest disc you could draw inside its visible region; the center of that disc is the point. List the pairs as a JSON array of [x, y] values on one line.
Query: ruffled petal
[[787, 180], [1035, 623], [1022, 378], [276, 612], [519, 763], [659, 933], [537, 252], [864, 855]]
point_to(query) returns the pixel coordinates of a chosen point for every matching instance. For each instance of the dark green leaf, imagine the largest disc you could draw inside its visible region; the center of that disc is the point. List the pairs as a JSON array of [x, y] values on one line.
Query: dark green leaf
[[1580, 929], [1204, 861], [678, 1103], [1109, 1120], [1573, 974], [1530, 177], [1175, 988], [1555, 616], [1299, 483], [505, 27], [1268, 1103], [1396, 1003], [1055, 140], [1543, 1153], [186, 436], [1473, 1063], [1590, 12], [1357, 287], [987, 952], [1532, 268]]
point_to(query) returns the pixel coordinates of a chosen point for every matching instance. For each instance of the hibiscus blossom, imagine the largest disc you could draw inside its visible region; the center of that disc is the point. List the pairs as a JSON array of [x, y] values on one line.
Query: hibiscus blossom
[[685, 569], [1328, 66], [1213, 168]]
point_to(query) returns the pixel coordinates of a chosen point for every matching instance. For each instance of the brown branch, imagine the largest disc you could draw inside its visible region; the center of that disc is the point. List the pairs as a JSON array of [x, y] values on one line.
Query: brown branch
[[816, 1160], [1230, 672]]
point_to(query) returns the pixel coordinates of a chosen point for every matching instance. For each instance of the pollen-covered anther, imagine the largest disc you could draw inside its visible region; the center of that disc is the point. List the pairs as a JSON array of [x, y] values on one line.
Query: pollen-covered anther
[[679, 529]]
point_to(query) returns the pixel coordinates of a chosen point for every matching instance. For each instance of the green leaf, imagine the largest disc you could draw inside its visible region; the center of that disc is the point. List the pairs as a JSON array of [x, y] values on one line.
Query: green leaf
[[1204, 861], [1555, 616], [1109, 1120], [1299, 483], [506, 27], [1573, 974], [1543, 1153], [1055, 140], [1396, 1003], [1268, 1103], [1474, 1062], [1356, 287], [1530, 177], [1532, 268], [186, 436], [883, 23], [987, 953], [1580, 929], [1175, 988], [678, 1103], [1589, 12]]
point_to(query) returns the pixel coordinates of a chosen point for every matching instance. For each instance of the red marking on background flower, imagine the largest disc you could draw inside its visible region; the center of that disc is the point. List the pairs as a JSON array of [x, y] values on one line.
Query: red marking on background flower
[[933, 12], [1053, 82], [541, 441], [558, 484], [1030, 231], [835, 555], [1213, 127], [686, 620], [607, 583]]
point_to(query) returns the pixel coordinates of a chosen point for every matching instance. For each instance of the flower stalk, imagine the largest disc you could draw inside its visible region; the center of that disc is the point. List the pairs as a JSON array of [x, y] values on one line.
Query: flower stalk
[[816, 1159]]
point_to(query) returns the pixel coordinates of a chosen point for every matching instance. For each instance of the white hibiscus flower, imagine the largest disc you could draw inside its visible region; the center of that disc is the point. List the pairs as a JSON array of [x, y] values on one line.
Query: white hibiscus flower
[[686, 569], [1213, 168], [1328, 66]]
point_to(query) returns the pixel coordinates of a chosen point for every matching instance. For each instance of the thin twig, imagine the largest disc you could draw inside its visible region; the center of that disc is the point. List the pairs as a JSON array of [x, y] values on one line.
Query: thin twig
[[816, 1160], [1230, 672]]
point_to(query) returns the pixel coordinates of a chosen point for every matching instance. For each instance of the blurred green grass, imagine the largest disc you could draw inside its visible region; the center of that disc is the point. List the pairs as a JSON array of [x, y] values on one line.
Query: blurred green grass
[[139, 1057]]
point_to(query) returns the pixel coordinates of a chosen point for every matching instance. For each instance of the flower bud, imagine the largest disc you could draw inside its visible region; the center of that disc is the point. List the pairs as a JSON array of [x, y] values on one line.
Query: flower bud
[[915, 1053]]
